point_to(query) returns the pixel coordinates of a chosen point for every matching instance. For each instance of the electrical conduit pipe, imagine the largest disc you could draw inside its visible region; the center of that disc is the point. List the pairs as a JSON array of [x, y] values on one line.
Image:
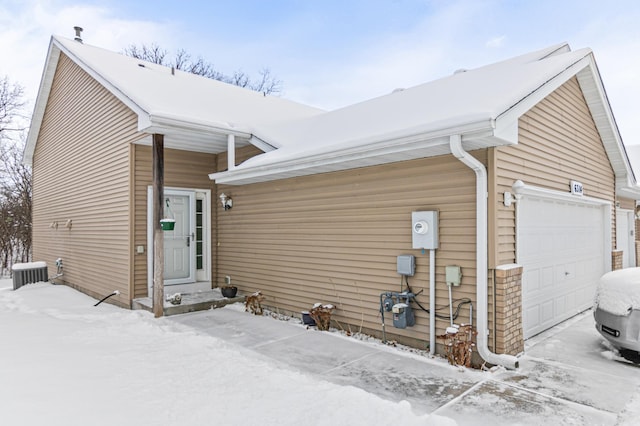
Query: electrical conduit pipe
[[432, 302], [508, 361]]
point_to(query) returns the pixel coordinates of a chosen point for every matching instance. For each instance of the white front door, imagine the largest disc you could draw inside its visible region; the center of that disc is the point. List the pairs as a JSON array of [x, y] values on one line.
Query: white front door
[[179, 244], [186, 246], [625, 238], [562, 247]]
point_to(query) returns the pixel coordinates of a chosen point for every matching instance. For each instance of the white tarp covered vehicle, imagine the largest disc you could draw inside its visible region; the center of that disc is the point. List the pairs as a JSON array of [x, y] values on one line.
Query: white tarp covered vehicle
[[617, 311]]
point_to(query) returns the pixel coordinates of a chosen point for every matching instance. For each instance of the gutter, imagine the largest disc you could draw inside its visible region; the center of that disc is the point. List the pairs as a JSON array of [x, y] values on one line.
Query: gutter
[[158, 122], [366, 152], [508, 361]]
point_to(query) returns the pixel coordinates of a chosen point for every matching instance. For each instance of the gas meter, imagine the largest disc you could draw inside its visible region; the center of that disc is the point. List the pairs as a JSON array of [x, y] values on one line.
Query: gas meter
[[403, 315]]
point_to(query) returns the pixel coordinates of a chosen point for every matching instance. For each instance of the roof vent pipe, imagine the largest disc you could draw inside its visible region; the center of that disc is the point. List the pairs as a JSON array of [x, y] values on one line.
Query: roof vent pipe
[[508, 361], [78, 31]]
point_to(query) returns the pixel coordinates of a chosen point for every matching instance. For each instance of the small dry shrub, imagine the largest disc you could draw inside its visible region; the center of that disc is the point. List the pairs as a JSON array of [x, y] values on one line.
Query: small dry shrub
[[321, 314], [253, 303], [459, 346]]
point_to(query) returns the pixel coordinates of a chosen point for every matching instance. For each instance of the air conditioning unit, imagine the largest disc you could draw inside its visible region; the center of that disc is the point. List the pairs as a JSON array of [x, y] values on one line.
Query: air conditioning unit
[[29, 273]]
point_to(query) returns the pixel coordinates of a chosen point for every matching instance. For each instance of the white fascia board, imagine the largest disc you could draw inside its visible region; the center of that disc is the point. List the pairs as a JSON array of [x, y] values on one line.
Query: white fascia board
[[598, 102], [261, 144], [135, 107], [328, 162], [155, 123], [632, 192], [351, 157], [507, 131], [46, 82], [626, 188], [507, 121]]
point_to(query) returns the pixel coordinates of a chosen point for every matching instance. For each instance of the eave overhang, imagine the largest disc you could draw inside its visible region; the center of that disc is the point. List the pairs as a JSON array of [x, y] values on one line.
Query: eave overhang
[[476, 135]]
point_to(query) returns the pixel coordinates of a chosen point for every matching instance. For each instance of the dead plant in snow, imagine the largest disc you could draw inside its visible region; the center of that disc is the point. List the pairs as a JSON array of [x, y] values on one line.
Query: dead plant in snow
[[253, 303], [459, 345], [321, 314]]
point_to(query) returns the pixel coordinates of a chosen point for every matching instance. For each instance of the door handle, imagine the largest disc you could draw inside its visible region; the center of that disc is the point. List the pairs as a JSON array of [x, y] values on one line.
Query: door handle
[[188, 241]]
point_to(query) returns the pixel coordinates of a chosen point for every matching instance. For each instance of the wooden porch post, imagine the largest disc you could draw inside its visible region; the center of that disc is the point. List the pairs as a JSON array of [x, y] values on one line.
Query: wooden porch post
[[158, 236]]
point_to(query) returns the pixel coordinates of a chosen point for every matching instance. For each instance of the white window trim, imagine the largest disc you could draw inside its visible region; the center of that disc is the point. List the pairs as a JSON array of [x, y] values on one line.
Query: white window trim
[[631, 249]]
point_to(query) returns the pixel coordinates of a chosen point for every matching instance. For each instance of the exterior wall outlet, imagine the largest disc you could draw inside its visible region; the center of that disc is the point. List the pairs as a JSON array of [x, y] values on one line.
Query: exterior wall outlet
[[453, 275], [227, 279]]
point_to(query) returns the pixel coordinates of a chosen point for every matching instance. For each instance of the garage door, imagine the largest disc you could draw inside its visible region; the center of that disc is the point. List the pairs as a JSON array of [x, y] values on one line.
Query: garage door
[[561, 245]]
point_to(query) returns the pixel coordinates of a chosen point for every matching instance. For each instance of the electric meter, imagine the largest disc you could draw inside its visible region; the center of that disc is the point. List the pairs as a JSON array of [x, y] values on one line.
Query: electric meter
[[421, 227], [424, 229]]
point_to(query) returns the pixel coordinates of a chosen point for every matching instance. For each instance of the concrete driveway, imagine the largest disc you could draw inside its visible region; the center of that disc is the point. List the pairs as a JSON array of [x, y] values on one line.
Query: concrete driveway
[[567, 375]]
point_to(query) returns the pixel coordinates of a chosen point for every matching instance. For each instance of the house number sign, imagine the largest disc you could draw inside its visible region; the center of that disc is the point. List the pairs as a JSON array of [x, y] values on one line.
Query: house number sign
[[576, 187]]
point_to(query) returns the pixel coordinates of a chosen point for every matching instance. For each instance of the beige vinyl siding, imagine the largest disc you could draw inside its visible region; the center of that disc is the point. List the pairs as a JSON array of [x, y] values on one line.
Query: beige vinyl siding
[[242, 154], [626, 203], [182, 169], [334, 238], [81, 173], [558, 142]]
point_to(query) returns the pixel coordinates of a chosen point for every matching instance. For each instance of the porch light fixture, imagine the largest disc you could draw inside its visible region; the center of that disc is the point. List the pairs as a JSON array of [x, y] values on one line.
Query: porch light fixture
[[226, 201]]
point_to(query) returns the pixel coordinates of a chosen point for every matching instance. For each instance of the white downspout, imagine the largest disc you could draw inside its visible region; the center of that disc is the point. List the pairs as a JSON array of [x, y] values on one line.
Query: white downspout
[[231, 152], [508, 361]]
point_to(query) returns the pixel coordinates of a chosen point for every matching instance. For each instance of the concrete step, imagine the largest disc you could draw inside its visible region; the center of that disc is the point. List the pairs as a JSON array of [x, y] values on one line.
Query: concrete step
[[191, 302]]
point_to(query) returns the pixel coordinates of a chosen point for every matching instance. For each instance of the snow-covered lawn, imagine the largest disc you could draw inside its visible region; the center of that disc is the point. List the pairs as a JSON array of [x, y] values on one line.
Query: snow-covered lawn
[[64, 362]]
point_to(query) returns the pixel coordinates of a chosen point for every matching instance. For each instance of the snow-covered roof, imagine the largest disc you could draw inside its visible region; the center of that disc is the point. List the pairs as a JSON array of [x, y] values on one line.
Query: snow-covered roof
[[193, 112], [482, 105]]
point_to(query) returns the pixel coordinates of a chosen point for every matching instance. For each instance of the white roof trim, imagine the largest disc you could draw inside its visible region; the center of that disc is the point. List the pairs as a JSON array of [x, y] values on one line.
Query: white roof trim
[[261, 144], [51, 64], [512, 114], [53, 54], [386, 151], [600, 108], [197, 132], [400, 144], [159, 123], [102, 80], [504, 130]]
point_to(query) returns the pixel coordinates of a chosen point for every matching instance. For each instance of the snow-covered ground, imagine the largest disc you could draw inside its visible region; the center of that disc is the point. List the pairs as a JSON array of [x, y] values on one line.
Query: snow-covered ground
[[65, 362]]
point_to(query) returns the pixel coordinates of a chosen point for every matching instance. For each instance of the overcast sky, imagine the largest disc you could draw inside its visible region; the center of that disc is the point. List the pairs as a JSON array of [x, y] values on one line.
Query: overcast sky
[[331, 53]]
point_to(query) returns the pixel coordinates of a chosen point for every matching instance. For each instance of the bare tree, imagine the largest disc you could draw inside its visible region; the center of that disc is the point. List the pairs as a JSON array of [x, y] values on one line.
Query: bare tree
[[15, 179], [267, 83], [15, 207], [11, 107]]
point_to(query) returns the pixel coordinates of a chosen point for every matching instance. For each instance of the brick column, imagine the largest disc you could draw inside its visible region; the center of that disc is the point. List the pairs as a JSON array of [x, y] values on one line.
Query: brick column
[[616, 259], [509, 337]]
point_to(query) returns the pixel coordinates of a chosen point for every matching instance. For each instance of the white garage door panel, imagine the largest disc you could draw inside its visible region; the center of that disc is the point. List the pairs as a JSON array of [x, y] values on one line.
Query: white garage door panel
[[561, 247]]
